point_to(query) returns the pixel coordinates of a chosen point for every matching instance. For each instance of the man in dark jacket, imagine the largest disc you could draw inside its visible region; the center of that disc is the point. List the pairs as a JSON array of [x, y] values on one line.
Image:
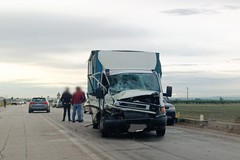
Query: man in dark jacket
[[4, 102], [66, 100]]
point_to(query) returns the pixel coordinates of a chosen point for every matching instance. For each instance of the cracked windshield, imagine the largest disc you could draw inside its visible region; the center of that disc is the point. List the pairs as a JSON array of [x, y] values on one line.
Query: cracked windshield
[[133, 81]]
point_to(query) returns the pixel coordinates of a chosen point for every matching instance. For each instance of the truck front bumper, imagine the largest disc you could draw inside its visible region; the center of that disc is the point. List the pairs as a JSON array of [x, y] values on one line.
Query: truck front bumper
[[123, 125]]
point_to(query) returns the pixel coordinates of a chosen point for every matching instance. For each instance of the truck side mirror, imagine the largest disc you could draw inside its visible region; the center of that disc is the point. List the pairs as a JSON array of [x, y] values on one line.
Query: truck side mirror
[[169, 92]]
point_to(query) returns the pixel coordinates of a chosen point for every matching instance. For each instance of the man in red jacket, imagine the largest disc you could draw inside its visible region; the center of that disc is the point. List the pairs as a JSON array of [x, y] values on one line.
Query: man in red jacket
[[77, 100]]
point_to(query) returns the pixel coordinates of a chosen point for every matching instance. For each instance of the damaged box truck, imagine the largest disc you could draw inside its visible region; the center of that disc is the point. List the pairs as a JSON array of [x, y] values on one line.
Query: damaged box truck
[[125, 92]]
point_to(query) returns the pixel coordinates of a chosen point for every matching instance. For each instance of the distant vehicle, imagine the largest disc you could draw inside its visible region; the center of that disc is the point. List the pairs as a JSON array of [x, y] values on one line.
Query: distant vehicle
[[125, 92], [21, 102], [57, 104], [54, 103], [39, 104], [51, 101], [16, 102], [170, 111]]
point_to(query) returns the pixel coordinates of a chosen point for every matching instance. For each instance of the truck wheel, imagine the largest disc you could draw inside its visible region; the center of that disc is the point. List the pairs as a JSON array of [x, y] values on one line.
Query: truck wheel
[[104, 134], [95, 126], [161, 133]]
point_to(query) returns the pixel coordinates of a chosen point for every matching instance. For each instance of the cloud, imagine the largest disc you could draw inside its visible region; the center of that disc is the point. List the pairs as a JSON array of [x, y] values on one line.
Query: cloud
[[64, 66], [190, 11], [199, 11], [232, 7], [184, 65], [235, 59], [58, 41], [34, 33]]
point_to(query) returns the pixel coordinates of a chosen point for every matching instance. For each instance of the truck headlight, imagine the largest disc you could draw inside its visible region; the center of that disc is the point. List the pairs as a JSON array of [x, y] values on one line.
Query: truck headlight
[[172, 108]]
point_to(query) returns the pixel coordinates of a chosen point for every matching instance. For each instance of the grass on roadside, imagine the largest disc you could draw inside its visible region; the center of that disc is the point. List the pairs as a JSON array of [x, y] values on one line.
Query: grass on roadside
[[219, 112]]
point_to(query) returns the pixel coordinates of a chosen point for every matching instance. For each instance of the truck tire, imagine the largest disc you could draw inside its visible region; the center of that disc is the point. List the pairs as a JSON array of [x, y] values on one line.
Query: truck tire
[[103, 131], [161, 133], [95, 126], [104, 134]]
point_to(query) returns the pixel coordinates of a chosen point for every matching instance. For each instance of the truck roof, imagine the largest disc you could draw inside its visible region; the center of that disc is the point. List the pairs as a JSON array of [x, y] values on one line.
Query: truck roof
[[124, 60], [96, 51]]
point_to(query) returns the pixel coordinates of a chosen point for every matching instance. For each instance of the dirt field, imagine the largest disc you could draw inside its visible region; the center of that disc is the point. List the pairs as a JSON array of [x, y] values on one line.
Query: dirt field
[[212, 112]]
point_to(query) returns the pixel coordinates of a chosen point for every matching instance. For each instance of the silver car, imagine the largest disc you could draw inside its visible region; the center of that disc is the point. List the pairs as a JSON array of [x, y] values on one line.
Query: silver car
[[39, 104], [57, 104]]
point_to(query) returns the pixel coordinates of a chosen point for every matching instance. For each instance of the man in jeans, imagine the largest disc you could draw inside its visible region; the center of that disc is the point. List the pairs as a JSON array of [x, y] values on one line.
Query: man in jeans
[[66, 100], [77, 100]]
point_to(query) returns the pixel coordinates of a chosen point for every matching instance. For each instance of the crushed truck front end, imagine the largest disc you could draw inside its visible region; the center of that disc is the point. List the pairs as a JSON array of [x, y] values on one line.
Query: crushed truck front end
[[142, 112]]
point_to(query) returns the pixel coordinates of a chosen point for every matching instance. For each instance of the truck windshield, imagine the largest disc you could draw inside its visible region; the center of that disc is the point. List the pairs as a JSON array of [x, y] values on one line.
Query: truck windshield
[[131, 81]]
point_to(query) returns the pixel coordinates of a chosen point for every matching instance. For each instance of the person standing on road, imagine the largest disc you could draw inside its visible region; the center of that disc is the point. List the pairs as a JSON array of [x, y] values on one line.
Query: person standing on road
[[77, 100], [66, 100], [4, 103]]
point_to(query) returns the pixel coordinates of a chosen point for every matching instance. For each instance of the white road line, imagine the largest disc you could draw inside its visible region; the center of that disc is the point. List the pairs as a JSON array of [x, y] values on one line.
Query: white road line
[[74, 138]]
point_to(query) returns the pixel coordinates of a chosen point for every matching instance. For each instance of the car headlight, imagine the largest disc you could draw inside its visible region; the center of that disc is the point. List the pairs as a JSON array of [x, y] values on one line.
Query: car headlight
[[172, 108]]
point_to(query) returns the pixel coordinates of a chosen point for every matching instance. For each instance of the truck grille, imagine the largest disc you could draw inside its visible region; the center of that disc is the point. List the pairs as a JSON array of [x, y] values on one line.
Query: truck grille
[[133, 105]]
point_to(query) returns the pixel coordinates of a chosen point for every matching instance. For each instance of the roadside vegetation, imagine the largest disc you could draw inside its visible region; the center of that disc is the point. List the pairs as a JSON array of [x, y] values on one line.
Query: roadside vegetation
[[223, 111], [1, 103]]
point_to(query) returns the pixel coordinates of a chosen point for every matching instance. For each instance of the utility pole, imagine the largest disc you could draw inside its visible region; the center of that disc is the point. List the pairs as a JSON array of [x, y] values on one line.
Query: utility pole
[[187, 93]]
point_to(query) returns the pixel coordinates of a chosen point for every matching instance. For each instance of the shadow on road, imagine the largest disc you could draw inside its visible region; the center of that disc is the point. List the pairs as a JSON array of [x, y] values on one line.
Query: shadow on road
[[138, 136], [38, 112]]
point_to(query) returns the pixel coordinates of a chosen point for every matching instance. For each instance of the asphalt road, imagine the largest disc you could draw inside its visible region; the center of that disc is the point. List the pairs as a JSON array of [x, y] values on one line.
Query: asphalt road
[[42, 136]]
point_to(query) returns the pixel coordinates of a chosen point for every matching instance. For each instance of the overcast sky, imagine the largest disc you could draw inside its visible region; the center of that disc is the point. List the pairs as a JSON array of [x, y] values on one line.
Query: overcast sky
[[44, 45]]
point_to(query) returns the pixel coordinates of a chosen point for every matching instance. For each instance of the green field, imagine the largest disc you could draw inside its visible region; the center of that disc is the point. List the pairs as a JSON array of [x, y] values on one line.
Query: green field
[[212, 112]]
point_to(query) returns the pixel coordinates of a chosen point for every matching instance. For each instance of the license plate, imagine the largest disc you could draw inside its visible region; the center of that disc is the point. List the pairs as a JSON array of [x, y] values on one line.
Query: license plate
[[137, 127]]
